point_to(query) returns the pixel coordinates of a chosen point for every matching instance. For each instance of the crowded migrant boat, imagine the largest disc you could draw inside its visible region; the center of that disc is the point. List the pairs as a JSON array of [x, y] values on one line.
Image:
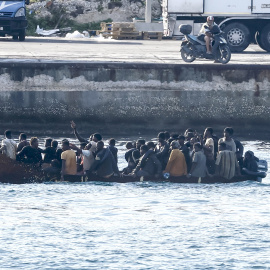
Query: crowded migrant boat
[[190, 157]]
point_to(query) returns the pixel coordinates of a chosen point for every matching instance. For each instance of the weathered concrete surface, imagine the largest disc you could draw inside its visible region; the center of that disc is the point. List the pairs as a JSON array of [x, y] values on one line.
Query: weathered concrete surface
[[107, 50], [125, 96], [127, 86]]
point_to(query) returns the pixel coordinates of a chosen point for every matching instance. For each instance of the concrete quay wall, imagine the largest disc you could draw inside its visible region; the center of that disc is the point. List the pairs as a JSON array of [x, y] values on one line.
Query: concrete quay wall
[[131, 96]]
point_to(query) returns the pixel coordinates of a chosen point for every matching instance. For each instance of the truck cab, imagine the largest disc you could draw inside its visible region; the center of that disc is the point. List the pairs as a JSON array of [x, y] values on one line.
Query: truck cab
[[13, 19]]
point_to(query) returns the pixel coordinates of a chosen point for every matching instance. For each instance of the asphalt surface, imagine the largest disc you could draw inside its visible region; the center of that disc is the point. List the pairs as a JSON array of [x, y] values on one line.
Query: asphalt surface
[[40, 49]]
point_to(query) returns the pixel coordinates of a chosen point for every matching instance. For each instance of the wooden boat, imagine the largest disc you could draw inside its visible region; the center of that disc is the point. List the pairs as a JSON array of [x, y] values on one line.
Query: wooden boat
[[14, 172], [181, 179], [18, 173]]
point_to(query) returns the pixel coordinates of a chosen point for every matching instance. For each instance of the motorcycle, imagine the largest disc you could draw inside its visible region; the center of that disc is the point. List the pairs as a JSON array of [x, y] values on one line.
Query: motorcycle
[[192, 47]]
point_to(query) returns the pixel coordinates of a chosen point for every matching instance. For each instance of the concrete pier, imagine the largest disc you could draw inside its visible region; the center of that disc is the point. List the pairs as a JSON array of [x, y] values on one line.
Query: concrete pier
[[123, 97]]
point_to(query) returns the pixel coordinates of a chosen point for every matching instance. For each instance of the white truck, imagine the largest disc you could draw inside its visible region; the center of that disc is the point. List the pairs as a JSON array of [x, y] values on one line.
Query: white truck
[[243, 21]]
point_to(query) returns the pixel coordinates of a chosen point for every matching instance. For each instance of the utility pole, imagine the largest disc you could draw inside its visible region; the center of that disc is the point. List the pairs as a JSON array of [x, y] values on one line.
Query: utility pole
[[148, 11]]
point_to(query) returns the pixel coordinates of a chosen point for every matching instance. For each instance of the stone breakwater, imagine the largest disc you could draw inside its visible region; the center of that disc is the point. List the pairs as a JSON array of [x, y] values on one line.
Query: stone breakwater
[[121, 97]]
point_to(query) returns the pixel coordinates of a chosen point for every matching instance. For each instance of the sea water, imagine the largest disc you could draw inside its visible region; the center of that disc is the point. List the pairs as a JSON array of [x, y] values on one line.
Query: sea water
[[143, 225]]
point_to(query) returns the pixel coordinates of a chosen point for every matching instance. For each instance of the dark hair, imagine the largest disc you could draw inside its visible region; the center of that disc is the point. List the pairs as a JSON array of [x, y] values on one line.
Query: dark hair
[[175, 136], [181, 137], [54, 144], [141, 141], [144, 147], [100, 143], [197, 144], [112, 142], [229, 130], [33, 140], [8, 133], [129, 145], [150, 145], [210, 130], [161, 135], [23, 136], [48, 142], [167, 134], [98, 136], [65, 142]]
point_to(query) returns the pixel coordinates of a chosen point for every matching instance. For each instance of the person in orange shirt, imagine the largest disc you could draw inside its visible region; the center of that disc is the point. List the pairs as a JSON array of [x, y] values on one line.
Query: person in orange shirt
[[176, 165]]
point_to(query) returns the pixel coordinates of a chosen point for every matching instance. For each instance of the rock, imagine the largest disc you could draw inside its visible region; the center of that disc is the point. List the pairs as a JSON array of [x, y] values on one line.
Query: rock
[[86, 11]]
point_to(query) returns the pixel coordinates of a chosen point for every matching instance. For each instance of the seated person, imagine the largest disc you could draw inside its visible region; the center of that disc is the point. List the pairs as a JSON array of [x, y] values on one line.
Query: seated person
[[176, 165], [250, 163], [239, 152], [31, 154], [206, 34], [209, 149], [113, 149], [226, 163], [129, 158], [162, 150], [136, 154], [87, 155], [22, 142], [53, 171], [104, 165], [9, 146], [68, 156], [148, 165], [50, 153], [185, 150], [198, 167]]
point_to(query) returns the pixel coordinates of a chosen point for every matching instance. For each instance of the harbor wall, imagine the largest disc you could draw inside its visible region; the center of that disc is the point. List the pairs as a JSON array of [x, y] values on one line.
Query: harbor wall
[[122, 97]]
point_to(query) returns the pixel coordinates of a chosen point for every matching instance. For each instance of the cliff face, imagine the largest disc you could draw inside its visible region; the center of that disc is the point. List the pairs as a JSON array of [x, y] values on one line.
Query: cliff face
[[84, 11]]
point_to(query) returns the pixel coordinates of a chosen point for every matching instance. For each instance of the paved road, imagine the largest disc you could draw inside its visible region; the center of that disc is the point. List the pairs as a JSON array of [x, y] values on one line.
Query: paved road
[[106, 50]]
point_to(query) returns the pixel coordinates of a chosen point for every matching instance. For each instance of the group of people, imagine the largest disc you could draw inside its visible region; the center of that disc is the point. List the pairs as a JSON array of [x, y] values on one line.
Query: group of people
[[173, 155], [190, 154]]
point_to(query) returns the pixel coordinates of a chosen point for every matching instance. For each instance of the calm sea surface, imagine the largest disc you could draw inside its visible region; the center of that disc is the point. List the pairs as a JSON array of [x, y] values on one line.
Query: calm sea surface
[[136, 225]]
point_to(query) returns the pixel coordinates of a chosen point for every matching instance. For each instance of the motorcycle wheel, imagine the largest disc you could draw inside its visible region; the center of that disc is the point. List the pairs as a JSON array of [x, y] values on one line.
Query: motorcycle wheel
[[224, 54], [187, 57]]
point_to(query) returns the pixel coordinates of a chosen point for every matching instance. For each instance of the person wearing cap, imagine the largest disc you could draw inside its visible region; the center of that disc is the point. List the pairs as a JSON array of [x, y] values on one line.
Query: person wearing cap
[[176, 165], [206, 34]]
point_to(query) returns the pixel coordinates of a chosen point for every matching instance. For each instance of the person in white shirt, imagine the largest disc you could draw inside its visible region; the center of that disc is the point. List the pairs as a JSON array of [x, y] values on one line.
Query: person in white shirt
[[87, 153], [9, 146]]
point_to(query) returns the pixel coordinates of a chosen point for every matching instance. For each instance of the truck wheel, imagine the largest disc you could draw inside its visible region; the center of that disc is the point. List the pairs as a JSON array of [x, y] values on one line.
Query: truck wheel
[[22, 35], [258, 38], [238, 36], [15, 37], [265, 38]]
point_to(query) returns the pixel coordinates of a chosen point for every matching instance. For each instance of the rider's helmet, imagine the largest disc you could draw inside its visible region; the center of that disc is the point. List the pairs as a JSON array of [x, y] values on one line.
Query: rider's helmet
[[210, 20]]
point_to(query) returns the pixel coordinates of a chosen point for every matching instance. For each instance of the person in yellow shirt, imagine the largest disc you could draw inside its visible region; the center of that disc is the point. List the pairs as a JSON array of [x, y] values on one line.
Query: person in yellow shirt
[[176, 165], [68, 157]]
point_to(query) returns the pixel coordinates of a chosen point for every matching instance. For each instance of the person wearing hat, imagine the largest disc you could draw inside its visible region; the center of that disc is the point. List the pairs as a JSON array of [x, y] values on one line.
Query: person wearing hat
[[206, 34], [176, 165]]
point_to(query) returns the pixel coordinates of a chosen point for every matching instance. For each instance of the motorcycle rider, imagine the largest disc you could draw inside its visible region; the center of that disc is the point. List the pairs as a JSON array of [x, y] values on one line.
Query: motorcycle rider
[[206, 34]]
